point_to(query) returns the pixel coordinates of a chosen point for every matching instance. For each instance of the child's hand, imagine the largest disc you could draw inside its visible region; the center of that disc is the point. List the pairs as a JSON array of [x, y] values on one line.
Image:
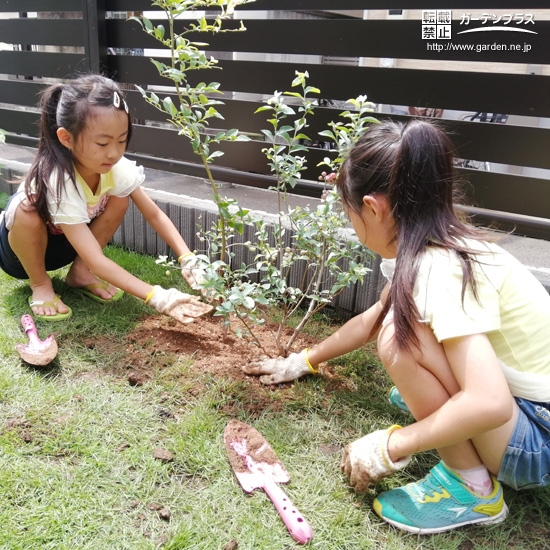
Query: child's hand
[[366, 461], [178, 305], [192, 272], [280, 369]]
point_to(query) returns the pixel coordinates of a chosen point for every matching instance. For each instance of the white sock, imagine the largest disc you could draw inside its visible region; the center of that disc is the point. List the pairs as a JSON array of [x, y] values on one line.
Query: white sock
[[477, 479]]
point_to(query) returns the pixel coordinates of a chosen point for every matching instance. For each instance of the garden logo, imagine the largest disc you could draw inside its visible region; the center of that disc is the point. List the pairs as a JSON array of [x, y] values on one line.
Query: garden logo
[[490, 22]]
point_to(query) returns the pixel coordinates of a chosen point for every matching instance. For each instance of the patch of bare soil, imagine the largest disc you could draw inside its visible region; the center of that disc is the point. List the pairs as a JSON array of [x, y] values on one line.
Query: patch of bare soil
[[214, 349], [151, 347]]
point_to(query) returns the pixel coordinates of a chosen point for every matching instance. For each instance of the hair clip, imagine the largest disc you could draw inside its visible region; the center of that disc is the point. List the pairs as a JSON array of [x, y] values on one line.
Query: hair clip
[[117, 100]]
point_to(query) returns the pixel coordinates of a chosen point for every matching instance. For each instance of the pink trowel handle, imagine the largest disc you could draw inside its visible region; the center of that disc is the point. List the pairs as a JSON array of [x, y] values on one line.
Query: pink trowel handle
[[295, 522], [29, 327]]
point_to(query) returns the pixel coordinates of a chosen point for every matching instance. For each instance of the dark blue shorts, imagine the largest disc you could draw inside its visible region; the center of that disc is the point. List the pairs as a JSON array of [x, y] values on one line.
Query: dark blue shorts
[[59, 253]]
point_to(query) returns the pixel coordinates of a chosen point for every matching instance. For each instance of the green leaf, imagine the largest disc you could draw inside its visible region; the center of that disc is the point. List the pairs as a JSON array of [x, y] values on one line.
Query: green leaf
[[287, 110], [328, 133], [312, 90], [169, 106], [147, 24], [4, 198], [299, 80], [159, 32], [263, 108], [161, 67], [269, 135], [215, 154]]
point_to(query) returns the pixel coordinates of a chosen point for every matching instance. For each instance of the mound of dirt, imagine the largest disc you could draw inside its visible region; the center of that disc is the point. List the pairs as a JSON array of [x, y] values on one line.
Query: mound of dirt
[[151, 349]]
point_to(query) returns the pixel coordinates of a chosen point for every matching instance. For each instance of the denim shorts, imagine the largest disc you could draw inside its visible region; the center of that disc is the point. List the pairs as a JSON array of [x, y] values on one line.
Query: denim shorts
[[59, 253], [526, 462]]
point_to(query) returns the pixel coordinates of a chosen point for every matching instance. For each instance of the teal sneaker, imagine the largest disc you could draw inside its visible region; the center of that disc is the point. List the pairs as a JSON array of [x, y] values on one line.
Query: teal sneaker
[[394, 397], [439, 502]]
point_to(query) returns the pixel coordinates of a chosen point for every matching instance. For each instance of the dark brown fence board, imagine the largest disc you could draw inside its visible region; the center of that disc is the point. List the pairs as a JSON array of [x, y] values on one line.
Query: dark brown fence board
[[21, 92], [245, 156], [40, 5], [348, 38], [509, 193], [51, 32], [459, 90], [504, 144], [506, 192], [43, 64], [19, 122]]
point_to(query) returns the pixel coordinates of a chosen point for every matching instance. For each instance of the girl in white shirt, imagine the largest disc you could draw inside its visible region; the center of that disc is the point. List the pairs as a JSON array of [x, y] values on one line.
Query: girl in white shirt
[[73, 200]]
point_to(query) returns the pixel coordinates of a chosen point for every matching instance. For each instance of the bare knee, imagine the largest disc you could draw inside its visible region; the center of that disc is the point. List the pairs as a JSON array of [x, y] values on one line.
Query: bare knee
[[103, 227], [28, 230], [27, 218], [117, 206], [422, 375]]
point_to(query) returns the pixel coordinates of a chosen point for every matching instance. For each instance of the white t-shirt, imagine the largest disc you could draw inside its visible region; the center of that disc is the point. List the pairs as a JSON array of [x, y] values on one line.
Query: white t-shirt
[[77, 204], [513, 310]]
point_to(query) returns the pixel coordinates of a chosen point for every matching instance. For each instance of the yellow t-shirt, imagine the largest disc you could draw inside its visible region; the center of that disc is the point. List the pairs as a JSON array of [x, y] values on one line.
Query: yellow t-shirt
[[513, 310]]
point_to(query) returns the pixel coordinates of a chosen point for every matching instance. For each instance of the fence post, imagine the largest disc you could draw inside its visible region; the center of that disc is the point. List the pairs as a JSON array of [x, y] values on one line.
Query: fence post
[[95, 39]]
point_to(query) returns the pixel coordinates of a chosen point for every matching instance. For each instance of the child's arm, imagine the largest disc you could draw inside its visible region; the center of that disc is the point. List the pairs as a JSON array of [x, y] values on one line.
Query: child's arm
[[91, 253], [178, 305], [351, 336], [163, 225]]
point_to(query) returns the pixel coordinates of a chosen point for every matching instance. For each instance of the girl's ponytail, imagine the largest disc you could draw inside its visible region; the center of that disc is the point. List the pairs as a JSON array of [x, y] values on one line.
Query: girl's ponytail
[[421, 187], [48, 118], [52, 158]]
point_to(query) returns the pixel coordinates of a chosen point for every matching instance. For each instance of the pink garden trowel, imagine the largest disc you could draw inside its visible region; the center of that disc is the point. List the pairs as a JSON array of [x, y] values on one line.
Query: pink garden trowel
[[256, 466], [36, 352]]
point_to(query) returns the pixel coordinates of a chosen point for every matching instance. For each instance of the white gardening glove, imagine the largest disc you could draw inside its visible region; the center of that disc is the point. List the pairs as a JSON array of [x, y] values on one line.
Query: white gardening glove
[[191, 270], [367, 461], [280, 369], [178, 305]]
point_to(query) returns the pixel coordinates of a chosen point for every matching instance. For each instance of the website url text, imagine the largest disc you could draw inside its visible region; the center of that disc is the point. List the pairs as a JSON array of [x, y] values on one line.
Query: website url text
[[450, 46]]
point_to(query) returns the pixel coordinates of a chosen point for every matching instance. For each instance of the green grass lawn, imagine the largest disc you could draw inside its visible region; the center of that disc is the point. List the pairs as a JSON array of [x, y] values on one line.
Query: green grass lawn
[[78, 469]]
